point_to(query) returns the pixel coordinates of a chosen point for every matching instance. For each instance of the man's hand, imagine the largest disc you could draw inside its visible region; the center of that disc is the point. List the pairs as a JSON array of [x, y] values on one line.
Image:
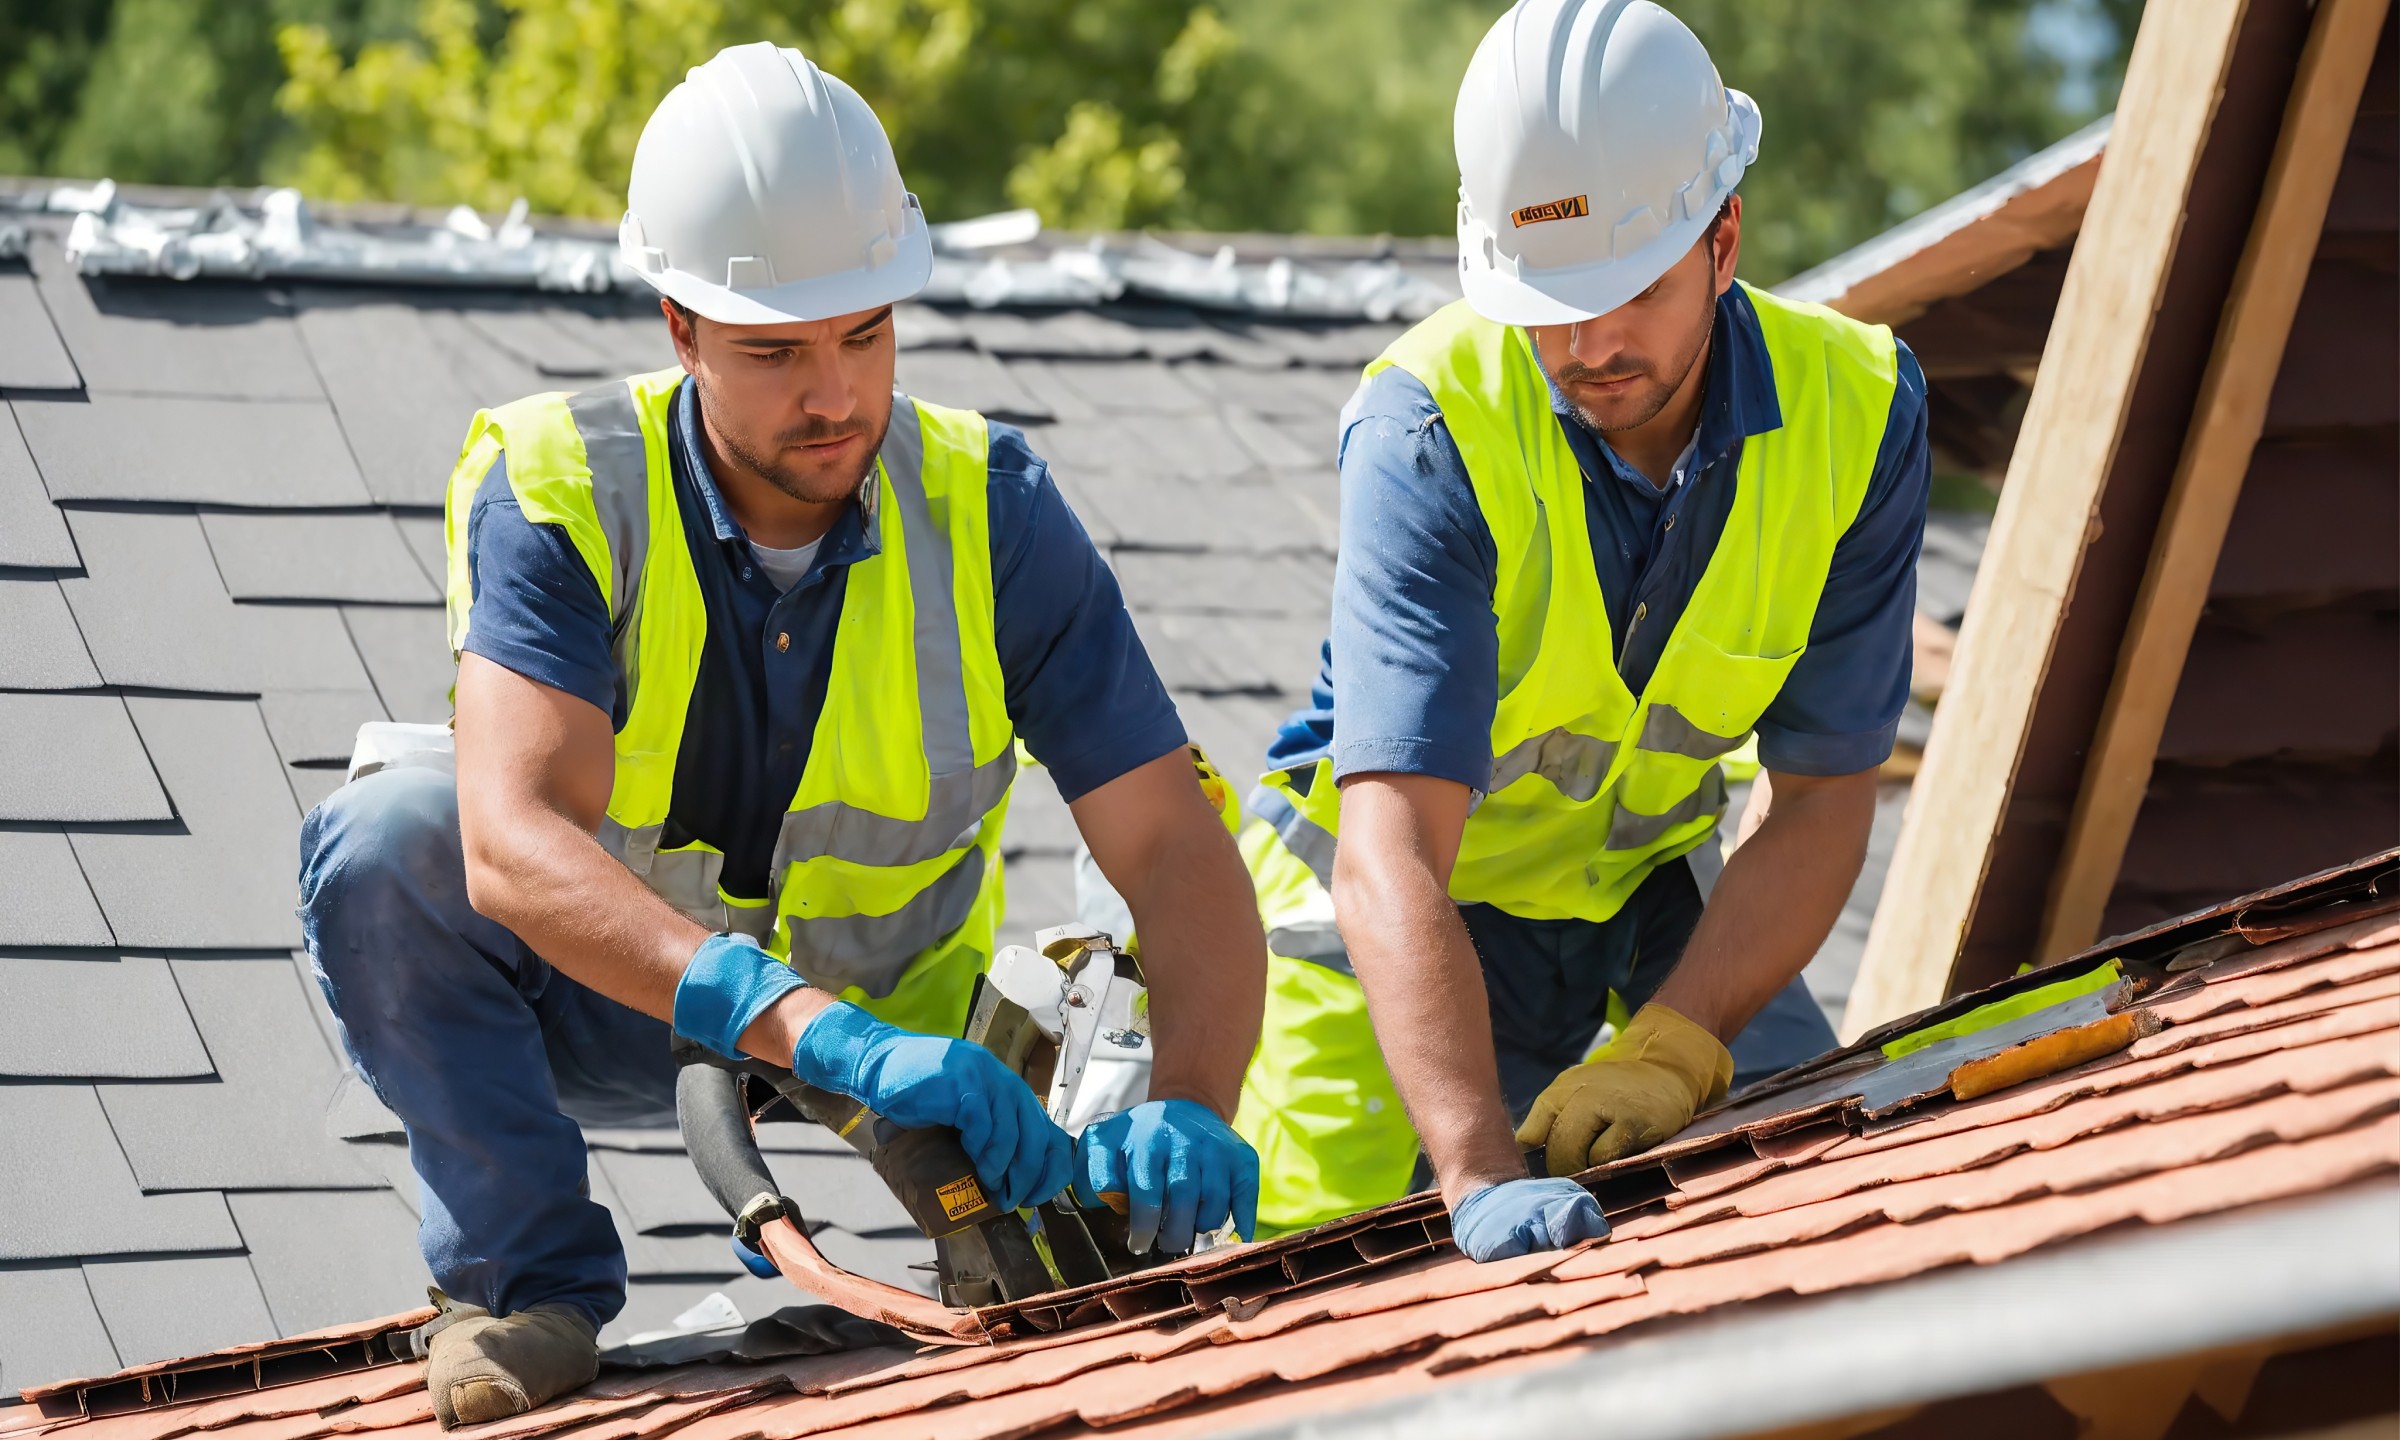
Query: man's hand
[[917, 1081], [1518, 1217], [1641, 1088], [1177, 1169]]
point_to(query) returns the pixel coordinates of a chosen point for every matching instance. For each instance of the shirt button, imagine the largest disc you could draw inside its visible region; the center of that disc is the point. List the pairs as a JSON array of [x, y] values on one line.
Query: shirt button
[[1640, 612], [1670, 522], [783, 641]]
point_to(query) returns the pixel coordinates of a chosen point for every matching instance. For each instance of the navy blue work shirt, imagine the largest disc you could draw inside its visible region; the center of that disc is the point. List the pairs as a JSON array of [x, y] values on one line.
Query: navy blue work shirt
[[1410, 673], [1081, 690]]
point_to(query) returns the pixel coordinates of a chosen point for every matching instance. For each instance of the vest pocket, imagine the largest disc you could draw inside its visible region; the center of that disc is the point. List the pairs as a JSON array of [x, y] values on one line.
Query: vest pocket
[[1703, 700]]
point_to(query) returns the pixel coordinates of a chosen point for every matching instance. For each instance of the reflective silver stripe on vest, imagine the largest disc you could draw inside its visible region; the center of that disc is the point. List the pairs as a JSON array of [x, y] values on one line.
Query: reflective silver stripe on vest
[[1318, 942], [1667, 732], [874, 951], [620, 464], [1632, 830], [1576, 764], [1305, 838], [959, 792]]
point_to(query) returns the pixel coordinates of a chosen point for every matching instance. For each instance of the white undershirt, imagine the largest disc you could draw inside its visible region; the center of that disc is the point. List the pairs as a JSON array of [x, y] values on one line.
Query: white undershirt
[[786, 567]]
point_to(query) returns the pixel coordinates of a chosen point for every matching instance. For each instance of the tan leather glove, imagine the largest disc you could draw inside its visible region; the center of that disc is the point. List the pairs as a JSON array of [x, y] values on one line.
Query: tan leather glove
[[1638, 1090]]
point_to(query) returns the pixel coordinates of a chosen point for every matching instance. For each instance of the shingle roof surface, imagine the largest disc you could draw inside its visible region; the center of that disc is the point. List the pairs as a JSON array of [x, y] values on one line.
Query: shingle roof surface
[[2270, 1072], [220, 552]]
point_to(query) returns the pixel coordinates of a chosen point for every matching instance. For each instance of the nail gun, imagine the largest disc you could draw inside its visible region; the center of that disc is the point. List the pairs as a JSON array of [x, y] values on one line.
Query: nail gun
[[1071, 1018]]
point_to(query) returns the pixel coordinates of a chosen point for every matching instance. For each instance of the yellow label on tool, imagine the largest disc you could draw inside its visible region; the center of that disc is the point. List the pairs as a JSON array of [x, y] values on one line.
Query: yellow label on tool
[[960, 1198]]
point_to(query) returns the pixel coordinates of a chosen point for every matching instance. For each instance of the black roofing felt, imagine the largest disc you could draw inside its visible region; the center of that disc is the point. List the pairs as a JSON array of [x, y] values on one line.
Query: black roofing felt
[[221, 551]]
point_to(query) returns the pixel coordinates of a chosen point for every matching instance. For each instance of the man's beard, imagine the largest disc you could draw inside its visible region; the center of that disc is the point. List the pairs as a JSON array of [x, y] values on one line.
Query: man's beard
[[1644, 405], [774, 463]]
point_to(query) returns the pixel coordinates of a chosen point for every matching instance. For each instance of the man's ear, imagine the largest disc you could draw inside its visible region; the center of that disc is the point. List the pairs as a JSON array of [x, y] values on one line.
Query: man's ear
[[1728, 249], [683, 329]]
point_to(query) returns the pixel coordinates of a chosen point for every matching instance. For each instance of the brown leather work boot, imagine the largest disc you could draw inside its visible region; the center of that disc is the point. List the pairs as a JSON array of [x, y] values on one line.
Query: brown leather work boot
[[486, 1367]]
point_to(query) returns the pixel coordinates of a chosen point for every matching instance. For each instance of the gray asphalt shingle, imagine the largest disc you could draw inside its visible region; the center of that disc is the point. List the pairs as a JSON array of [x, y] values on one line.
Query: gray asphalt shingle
[[316, 557], [968, 380], [40, 646], [195, 450], [407, 652], [317, 727], [227, 881], [129, 336], [152, 609], [165, 1309], [46, 901], [32, 357], [96, 1019], [68, 1190], [321, 1259], [74, 758], [50, 1329], [32, 533], [261, 1123], [389, 377]]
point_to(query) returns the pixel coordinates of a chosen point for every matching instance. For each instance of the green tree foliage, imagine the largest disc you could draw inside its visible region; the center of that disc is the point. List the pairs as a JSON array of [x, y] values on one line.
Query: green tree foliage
[[1311, 115]]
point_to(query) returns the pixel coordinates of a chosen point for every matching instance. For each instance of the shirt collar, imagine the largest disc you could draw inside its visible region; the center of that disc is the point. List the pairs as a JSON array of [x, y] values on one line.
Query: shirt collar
[[1739, 399], [855, 536]]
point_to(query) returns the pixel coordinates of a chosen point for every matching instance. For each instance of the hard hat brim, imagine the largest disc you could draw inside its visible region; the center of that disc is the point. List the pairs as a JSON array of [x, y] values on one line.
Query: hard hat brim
[[822, 298], [1571, 294]]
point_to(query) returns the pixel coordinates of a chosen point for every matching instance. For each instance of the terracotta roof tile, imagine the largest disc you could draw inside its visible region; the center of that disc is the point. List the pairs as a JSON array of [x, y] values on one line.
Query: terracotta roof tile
[[2289, 1086]]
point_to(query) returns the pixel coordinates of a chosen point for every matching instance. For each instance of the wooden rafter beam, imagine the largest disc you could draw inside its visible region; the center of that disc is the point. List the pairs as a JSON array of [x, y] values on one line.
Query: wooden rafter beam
[[2224, 431], [2174, 82]]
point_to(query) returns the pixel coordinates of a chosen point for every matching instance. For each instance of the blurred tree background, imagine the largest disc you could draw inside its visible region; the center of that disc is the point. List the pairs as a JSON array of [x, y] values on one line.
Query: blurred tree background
[[1288, 115]]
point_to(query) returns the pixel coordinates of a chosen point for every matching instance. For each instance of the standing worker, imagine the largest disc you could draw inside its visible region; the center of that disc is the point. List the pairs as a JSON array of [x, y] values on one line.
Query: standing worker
[[1603, 520], [744, 653]]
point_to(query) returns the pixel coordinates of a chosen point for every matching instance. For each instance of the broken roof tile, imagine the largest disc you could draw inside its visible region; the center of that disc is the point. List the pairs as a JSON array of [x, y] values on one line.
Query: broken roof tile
[[46, 901], [321, 1258], [68, 1191], [316, 557], [261, 1123], [152, 609], [191, 450], [160, 1309], [40, 646], [226, 880], [32, 534], [407, 651], [45, 1004], [49, 1328], [32, 357], [75, 758]]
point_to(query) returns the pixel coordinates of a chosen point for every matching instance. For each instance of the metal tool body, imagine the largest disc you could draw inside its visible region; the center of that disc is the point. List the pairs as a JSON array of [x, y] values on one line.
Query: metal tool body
[[1044, 1015]]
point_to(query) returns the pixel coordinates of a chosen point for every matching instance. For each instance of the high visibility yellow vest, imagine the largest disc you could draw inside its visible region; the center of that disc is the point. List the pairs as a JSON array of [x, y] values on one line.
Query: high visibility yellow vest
[[1592, 787], [886, 872]]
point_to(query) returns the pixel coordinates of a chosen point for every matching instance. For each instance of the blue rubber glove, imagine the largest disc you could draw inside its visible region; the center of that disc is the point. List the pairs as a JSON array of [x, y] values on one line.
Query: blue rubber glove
[[728, 983], [916, 1081], [752, 1261], [1179, 1168], [1518, 1217]]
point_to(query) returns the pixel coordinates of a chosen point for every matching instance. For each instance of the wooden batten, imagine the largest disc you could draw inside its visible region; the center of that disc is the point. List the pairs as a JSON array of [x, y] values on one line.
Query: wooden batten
[[2090, 366], [2225, 429]]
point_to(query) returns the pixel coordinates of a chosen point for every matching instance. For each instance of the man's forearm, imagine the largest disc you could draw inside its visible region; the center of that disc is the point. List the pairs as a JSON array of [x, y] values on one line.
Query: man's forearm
[[1776, 902], [1205, 959], [1425, 991]]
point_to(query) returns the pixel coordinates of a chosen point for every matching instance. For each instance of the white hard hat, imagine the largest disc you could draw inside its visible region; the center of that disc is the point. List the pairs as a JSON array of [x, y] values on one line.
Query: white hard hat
[[764, 190], [1595, 143]]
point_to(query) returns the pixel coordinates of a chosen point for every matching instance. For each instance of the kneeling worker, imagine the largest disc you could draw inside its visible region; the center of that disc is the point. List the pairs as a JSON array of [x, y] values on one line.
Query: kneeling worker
[[746, 649], [1603, 520]]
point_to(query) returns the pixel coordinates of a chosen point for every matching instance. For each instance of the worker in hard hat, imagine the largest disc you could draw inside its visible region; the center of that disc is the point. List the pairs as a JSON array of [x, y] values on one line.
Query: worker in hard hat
[[1603, 521], [746, 649]]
